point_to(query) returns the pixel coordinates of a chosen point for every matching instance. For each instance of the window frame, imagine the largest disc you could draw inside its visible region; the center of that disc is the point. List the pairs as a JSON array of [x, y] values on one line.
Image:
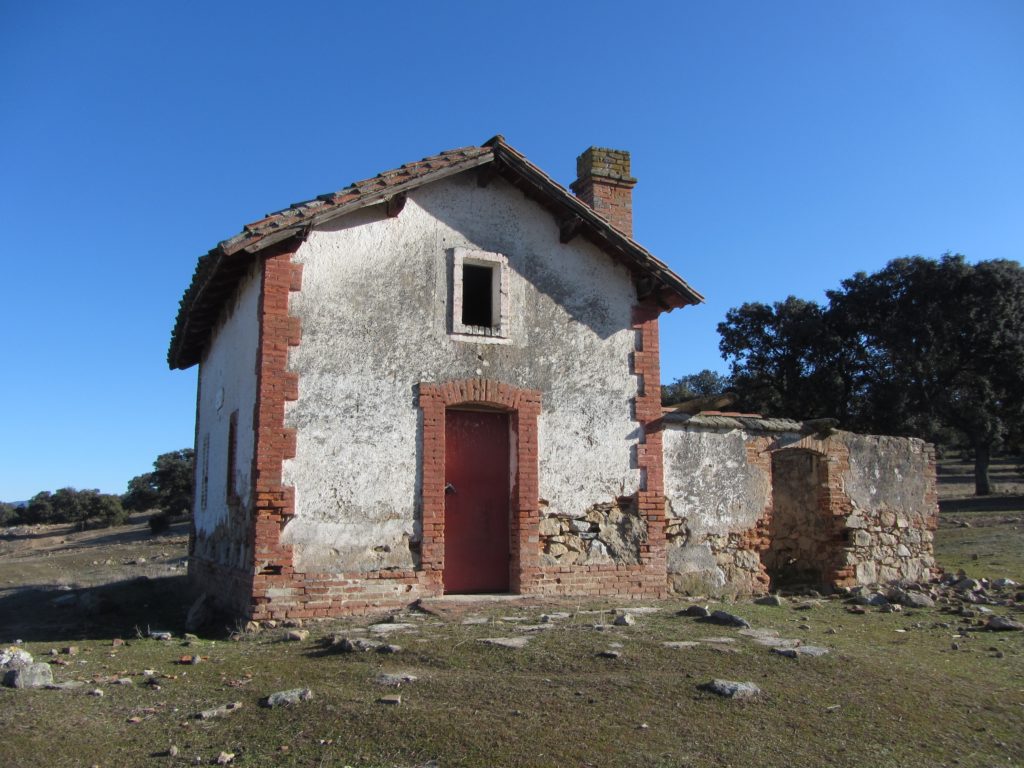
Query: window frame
[[498, 331]]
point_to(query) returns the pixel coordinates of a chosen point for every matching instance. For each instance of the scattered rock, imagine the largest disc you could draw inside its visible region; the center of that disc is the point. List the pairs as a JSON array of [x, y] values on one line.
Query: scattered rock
[[725, 619], [389, 648], [774, 600], [1004, 624], [610, 653], [221, 711], [479, 620], [386, 628], [875, 599], [624, 620], [172, 751], [506, 642], [731, 689], [117, 642], [801, 650], [12, 658], [967, 585], [297, 635], [778, 642], [695, 611], [251, 627], [349, 645], [395, 679], [97, 692], [856, 609], [910, 599], [680, 644], [757, 634], [225, 758], [32, 676], [159, 635], [393, 701], [287, 698]]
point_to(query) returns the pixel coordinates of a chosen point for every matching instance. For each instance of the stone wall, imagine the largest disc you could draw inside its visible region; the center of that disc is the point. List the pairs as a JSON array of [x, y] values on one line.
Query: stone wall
[[758, 504], [890, 483]]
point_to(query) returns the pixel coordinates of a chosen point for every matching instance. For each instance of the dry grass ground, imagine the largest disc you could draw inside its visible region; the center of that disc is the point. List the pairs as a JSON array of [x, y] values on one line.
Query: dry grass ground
[[893, 691]]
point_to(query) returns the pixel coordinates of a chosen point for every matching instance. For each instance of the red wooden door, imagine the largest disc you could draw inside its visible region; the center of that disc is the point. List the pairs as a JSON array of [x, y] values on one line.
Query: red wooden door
[[476, 508]]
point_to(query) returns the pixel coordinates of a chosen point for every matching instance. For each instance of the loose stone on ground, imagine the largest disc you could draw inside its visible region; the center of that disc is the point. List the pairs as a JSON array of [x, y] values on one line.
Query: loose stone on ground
[[725, 619], [506, 642], [800, 651], [221, 711], [732, 689], [287, 698]]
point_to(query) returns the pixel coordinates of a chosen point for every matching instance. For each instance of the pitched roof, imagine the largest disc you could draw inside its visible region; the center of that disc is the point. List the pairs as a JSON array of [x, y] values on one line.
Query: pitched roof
[[219, 271]]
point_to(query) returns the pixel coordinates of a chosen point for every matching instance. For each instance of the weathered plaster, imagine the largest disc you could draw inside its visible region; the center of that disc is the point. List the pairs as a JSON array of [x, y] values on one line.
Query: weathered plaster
[[374, 307], [715, 495], [887, 472], [227, 383]]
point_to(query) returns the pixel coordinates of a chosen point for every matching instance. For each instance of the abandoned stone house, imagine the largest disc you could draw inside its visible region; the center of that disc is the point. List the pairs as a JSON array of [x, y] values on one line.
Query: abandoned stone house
[[445, 379]]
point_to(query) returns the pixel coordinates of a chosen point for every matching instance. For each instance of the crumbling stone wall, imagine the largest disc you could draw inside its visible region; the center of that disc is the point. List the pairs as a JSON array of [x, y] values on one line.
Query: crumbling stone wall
[[755, 504], [609, 533], [891, 487]]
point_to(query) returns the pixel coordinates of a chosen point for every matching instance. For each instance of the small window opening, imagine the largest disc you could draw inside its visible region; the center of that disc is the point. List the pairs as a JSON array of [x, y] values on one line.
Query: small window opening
[[477, 306], [480, 296]]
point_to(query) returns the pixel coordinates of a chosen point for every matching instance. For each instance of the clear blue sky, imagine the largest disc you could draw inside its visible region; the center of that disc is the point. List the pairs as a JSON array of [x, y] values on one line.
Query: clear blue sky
[[779, 148]]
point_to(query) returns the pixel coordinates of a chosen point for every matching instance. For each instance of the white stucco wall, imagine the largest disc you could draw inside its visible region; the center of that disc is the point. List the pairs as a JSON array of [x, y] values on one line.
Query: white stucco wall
[[710, 483], [227, 383], [713, 492], [374, 307]]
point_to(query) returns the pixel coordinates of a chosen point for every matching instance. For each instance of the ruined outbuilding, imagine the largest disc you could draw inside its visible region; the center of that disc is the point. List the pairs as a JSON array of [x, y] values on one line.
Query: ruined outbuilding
[[758, 504], [446, 379]]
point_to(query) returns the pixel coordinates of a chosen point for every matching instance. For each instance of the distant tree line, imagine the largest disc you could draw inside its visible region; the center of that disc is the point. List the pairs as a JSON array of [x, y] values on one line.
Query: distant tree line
[[923, 347], [167, 489]]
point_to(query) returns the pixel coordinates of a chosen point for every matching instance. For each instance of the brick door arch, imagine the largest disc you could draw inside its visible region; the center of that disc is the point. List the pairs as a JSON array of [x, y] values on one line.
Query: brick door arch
[[523, 407]]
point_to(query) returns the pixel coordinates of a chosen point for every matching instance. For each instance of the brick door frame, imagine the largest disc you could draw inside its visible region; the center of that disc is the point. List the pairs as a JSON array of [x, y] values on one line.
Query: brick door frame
[[523, 407]]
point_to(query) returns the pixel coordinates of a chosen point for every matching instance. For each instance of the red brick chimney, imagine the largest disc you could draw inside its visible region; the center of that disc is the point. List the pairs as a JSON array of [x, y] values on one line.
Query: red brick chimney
[[603, 182]]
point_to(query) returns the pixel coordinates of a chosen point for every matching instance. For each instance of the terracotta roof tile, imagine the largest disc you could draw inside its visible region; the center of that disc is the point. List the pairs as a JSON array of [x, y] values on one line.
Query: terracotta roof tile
[[219, 270]]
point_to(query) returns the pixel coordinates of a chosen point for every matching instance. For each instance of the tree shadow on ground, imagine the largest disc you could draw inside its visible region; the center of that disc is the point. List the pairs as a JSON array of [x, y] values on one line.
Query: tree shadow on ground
[[119, 609], [996, 503]]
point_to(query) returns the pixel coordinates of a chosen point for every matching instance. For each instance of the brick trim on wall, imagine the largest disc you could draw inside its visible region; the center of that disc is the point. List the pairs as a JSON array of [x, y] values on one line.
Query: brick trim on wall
[[523, 406], [647, 579], [273, 502]]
